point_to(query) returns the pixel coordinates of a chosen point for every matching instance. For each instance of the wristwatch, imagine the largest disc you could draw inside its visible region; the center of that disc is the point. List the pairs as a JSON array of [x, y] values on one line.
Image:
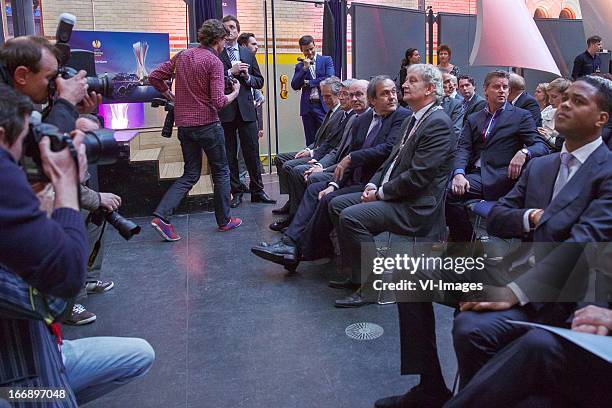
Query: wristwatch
[[526, 152]]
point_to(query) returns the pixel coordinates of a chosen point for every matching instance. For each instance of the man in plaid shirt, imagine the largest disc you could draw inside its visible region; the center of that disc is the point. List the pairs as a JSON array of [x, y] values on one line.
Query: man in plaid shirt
[[199, 97]]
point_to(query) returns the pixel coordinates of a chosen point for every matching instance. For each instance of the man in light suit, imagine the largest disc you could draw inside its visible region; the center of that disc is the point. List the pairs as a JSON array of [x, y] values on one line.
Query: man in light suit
[[239, 118], [472, 102], [522, 99], [309, 72], [405, 195], [494, 146], [563, 198]]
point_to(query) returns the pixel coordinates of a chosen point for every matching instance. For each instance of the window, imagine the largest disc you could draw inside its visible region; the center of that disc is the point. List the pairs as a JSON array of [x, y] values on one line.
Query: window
[[541, 12], [567, 13]]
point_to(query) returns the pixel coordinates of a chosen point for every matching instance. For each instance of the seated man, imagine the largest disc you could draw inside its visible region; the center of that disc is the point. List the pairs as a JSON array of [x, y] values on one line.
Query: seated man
[[405, 195], [327, 137], [42, 266], [558, 372], [472, 102], [451, 104], [375, 132], [494, 146], [520, 98], [579, 212]]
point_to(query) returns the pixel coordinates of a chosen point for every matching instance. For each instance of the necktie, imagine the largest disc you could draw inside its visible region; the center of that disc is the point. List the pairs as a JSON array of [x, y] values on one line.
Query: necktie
[[357, 173], [313, 71], [233, 54], [567, 159], [408, 129], [464, 106]]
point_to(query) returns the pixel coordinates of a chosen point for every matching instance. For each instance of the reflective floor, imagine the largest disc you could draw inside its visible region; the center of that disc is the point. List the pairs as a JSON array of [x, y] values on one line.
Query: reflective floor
[[232, 330]]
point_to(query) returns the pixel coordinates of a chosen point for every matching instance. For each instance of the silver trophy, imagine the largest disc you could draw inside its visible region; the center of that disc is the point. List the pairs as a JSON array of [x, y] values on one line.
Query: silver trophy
[[140, 52]]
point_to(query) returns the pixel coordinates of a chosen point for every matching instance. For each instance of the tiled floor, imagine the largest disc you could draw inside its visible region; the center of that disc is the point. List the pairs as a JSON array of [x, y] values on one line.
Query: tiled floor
[[231, 330]]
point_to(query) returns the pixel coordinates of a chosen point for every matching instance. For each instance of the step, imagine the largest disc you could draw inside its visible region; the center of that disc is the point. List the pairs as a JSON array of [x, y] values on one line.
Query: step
[[145, 155], [203, 186], [170, 170]]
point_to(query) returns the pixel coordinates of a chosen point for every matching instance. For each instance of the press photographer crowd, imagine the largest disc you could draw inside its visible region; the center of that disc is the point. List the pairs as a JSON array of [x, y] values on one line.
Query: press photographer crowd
[[420, 158]]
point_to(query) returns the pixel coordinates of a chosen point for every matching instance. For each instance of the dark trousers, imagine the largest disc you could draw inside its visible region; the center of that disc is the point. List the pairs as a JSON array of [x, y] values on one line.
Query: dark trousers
[[297, 186], [542, 364], [312, 121], [246, 132], [457, 214], [311, 225], [193, 140], [96, 252], [284, 163]]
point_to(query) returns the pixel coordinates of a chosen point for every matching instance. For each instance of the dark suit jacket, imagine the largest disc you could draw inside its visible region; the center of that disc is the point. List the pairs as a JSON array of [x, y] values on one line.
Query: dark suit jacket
[[344, 145], [606, 135], [580, 213], [514, 129], [328, 135], [369, 159], [420, 174], [324, 69], [243, 105], [452, 107], [477, 104], [528, 102]]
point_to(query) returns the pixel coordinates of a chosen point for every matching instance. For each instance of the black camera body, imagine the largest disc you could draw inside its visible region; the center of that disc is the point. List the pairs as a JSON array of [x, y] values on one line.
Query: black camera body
[[126, 228], [102, 85], [169, 121], [229, 85]]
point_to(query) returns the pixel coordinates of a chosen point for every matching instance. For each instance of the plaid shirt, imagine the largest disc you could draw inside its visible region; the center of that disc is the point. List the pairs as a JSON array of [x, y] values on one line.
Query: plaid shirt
[[199, 85]]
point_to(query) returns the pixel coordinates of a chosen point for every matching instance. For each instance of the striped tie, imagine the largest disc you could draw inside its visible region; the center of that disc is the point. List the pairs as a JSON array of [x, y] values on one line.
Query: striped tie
[[232, 54]]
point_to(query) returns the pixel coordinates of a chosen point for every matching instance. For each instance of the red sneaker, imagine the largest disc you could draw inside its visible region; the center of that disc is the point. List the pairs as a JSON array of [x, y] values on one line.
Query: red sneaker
[[165, 230], [233, 223]]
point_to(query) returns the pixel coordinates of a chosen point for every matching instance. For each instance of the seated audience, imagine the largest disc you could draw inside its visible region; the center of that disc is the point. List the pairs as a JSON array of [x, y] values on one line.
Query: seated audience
[[374, 134], [444, 64], [326, 138], [494, 146], [405, 195], [521, 98], [541, 96], [450, 85], [472, 102], [555, 91], [452, 105], [564, 198]]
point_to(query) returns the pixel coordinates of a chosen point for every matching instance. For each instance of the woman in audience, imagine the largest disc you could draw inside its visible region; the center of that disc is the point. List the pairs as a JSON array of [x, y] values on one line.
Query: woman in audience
[[444, 65], [554, 91], [541, 96], [412, 56]]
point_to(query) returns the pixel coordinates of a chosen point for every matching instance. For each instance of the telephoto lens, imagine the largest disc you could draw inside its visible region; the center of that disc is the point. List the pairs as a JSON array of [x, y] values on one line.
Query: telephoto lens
[[126, 228]]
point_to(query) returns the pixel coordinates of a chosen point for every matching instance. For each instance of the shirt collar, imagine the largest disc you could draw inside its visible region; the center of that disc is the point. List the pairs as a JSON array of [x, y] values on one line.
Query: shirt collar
[[583, 153], [335, 108], [518, 96], [503, 107], [469, 100], [421, 112]]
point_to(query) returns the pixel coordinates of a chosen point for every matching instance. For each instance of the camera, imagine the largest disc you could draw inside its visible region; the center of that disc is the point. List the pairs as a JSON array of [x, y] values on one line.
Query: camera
[[126, 228], [169, 121], [101, 85], [229, 85]]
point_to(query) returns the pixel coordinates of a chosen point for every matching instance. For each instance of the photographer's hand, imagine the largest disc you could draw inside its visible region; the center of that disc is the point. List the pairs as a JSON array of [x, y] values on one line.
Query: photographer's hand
[[89, 103], [110, 201], [74, 89], [234, 94]]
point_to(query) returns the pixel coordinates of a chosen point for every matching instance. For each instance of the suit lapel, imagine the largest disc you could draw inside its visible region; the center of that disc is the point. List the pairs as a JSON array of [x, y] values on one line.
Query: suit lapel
[[225, 58]]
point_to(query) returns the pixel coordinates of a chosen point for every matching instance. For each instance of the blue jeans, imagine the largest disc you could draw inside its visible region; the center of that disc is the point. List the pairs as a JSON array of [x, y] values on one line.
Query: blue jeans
[[97, 365], [193, 140]]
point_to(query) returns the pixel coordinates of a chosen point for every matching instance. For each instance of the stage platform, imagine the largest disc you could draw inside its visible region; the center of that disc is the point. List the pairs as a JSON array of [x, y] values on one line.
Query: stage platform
[[231, 330]]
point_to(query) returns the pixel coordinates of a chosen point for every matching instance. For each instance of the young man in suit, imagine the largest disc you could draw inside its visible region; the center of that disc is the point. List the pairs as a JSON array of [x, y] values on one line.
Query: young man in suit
[[472, 102], [493, 148], [307, 237], [522, 99], [563, 198], [239, 118], [405, 195], [309, 72]]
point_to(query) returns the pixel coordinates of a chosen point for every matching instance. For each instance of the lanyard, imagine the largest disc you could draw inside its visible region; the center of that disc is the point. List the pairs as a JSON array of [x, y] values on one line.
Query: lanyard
[[487, 131]]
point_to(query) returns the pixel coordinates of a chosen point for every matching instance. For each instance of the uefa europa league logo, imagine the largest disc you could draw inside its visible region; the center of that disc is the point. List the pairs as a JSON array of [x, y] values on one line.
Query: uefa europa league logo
[[140, 52]]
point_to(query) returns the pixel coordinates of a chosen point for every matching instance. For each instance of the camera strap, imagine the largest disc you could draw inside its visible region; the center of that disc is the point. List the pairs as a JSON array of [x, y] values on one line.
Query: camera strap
[[96, 247]]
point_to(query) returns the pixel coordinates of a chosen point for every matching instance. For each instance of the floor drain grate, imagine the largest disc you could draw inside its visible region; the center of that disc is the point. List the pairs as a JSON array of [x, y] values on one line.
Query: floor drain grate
[[364, 331]]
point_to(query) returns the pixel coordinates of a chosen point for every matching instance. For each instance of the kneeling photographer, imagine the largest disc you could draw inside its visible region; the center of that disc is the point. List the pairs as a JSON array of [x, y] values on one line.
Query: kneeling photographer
[[43, 265]]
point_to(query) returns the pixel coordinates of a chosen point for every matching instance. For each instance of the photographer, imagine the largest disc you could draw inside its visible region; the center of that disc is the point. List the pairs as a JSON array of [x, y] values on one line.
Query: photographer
[[30, 65], [199, 97], [42, 265]]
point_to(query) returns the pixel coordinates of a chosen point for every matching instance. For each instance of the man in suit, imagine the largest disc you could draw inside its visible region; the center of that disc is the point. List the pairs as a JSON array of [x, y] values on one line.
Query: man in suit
[[494, 146], [239, 118], [471, 102], [309, 72], [581, 212], [405, 195], [521, 98], [327, 137], [374, 134], [450, 85], [454, 109]]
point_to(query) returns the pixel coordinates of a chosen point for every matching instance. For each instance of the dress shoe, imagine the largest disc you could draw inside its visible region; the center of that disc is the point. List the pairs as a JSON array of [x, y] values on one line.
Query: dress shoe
[[243, 188], [278, 252], [283, 210], [416, 397], [354, 300], [343, 284], [236, 200], [262, 197], [280, 225]]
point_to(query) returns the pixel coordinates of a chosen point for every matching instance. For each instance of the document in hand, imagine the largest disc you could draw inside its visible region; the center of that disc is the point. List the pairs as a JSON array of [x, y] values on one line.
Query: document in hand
[[601, 346]]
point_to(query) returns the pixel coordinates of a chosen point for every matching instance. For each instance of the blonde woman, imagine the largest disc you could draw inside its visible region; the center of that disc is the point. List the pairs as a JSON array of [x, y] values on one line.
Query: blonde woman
[[541, 96], [555, 91]]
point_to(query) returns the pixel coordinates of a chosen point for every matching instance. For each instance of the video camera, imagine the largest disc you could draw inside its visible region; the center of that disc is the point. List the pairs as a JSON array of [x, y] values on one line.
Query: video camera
[[169, 108]]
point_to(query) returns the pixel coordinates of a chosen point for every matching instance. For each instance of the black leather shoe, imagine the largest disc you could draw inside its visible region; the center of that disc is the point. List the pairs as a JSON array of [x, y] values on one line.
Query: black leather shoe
[[416, 397], [262, 197], [280, 225], [342, 284], [243, 188], [283, 210], [236, 201], [354, 300], [278, 252]]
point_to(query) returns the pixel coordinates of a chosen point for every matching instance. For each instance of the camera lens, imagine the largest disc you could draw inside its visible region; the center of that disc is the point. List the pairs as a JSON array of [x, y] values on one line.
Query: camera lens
[[101, 85], [126, 228], [101, 146]]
